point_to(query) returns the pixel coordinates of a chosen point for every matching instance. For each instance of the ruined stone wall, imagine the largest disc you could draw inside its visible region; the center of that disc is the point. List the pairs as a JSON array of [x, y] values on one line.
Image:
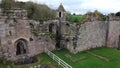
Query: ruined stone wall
[[71, 44], [10, 31], [41, 43], [91, 35], [43, 40], [113, 34]]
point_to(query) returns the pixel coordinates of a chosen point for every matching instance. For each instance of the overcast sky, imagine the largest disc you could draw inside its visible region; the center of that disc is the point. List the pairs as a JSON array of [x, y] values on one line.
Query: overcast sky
[[83, 6]]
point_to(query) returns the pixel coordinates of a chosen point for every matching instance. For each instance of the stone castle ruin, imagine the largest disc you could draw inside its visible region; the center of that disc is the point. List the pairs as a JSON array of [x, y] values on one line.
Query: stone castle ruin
[[21, 37]]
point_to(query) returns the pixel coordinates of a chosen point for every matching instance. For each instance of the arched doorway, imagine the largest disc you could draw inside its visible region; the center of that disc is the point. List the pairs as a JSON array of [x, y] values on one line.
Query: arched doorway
[[21, 46]]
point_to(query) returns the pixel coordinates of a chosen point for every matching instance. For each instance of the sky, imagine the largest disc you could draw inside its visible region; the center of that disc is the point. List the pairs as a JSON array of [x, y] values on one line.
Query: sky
[[83, 6]]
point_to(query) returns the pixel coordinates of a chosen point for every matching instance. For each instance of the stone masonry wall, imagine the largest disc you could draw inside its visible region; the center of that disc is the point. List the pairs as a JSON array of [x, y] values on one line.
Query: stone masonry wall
[[113, 34], [91, 35], [16, 30], [41, 43]]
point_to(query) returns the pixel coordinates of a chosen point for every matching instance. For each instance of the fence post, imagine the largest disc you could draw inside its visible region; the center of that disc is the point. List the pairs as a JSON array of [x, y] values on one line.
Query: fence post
[[53, 57], [59, 61]]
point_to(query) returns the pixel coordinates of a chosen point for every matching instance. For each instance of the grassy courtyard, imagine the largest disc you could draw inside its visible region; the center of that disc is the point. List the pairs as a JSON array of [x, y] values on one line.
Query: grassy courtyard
[[94, 58], [43, 59], [110, 58]]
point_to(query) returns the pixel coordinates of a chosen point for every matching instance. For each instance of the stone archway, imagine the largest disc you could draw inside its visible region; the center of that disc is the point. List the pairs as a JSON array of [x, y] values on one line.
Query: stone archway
[[21, 46]]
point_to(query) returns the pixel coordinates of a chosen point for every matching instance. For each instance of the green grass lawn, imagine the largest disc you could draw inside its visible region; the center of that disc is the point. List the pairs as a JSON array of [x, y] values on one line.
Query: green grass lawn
[[80, 60], [75, 18], [42, 59], [90, 61]]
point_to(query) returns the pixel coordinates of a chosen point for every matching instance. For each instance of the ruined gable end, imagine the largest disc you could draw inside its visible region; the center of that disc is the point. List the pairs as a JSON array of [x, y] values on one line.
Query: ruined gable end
[[61, 13]]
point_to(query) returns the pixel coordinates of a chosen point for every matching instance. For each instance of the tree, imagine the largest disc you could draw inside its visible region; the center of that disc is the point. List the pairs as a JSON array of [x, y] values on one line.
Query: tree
[[117, 14], [7, 4], [99, 15], [39, 12], [20, 4]]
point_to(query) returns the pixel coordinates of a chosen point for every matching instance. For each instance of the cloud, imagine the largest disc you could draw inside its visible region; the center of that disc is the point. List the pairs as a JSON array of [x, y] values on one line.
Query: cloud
[[103, 6], [83, 6]]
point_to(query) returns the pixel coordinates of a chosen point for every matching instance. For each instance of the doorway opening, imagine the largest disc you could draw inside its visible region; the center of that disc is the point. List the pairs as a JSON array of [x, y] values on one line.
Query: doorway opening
[[58, 38], [21, 47], [51, 28]]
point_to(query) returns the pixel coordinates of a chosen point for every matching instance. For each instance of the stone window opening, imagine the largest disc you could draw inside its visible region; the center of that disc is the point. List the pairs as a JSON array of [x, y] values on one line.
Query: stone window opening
[[67, 40], [15, 20], [10, 33], [40, 38], [67, 24], [73, 38], [31, 39], [46, 40], [31, 25], [60, 14], [74, 42], [51, 28], [22, 15]]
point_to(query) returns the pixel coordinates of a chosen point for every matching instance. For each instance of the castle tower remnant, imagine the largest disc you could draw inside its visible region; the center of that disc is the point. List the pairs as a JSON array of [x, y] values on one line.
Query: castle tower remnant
[[61, 18], [61, 13]]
